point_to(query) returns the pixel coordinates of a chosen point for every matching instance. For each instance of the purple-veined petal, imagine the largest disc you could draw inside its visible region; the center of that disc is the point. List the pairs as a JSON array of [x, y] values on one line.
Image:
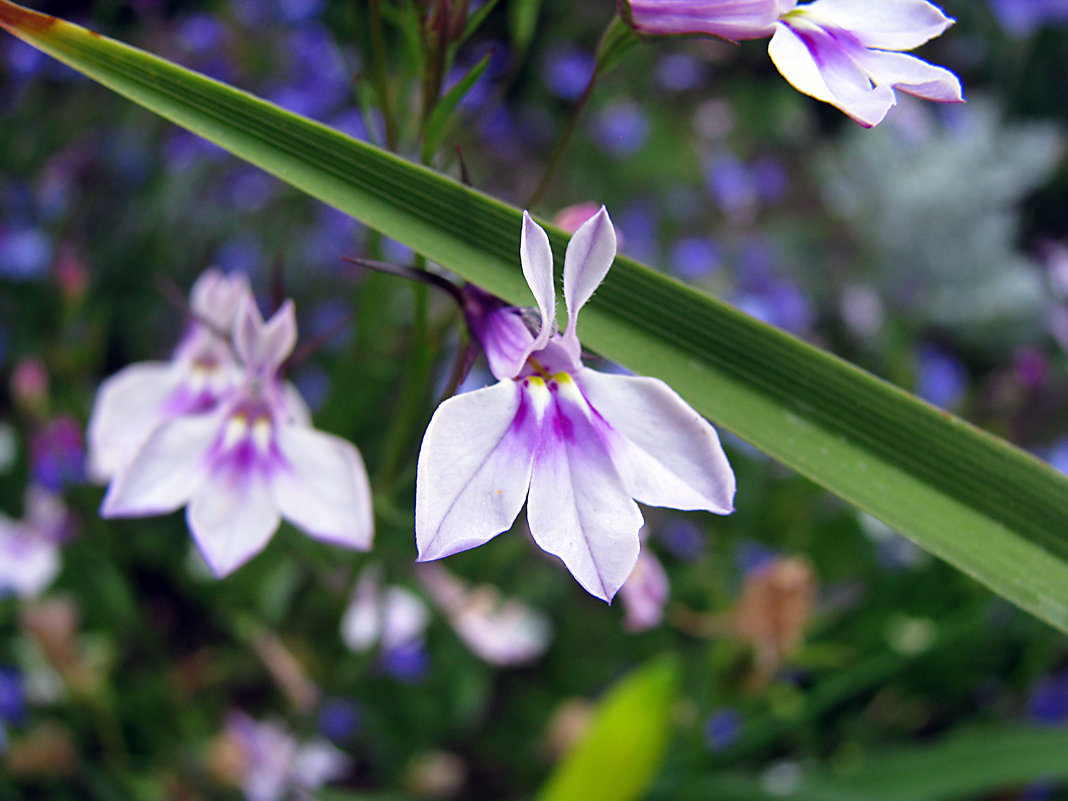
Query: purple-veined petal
[[232, 518], [579, 507], [673, 456], [323, 489], [817, 64], [728, 19], [536, 257], [589, 255], [882, 24], [500, 329], [474, 467], [166, 471], [912, 75], [127, 407]]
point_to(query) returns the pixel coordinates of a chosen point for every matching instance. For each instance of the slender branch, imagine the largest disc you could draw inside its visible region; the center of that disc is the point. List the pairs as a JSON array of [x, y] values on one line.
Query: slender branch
[[412, 274]]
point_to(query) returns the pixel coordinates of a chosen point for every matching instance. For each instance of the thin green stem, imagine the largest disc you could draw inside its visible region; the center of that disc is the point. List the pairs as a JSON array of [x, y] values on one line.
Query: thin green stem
[[381, 76], [564, 141]]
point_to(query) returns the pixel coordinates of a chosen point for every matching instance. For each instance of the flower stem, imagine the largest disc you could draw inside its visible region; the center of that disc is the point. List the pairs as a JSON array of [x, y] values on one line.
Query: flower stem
[[564, 140]]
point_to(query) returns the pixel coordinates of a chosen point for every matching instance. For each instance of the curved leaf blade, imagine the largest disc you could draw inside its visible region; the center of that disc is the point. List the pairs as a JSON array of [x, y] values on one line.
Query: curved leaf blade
[[992, 510]]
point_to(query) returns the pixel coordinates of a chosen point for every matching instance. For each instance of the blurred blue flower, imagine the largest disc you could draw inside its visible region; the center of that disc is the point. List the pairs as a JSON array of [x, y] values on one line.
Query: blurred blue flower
[[12, 696], [941, 378], [567, 70], [314, 384], [1057, 455], [1024, 17], [339, 719], [300, 10], [756, 264], [408, 662], [395, 251], [201, 34], [24, 61], [621, 128], [751, 556], [57, 453], [1048, 703], [25, 253], [638, 225], [769, 179], [782, 304], [240, 253], [722, 728], [250, 189], [183, 150], [682, 539], [694, 257], [679, 72], [730, 185]]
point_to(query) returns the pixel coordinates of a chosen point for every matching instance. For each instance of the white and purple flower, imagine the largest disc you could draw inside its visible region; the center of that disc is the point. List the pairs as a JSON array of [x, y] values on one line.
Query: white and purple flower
[[131, 403], [848, 53], [578, 446], [249, 460], [844, 52]]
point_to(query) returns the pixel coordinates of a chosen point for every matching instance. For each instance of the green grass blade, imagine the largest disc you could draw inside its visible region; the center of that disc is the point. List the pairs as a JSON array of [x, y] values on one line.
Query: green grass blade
[[992, 510]]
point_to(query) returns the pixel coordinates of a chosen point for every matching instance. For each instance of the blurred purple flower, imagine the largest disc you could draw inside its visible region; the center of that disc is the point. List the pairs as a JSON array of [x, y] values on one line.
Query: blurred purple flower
[[201, 34], [680, 72], [694, 258], [183, 150], [941, 378], [621, 128], [23, 60], [722, 728], [300, 10], [12, 696], [638, 225], [752, 556], [1024, 17], [408, 663], [782, 304], [645, 593], [30, 547], [567, 70], [769, 179], [25, 253], [730, 185], [1048, 702], [241, 253], [57, 453], [682, 538], [339, 719]]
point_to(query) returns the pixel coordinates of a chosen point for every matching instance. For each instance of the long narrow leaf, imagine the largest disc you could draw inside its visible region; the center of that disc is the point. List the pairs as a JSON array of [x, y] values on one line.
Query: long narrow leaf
[[990, 509]]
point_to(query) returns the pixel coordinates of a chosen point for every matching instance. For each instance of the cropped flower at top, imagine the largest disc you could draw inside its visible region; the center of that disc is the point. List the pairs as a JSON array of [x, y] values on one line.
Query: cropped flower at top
[[249, 461], [844, 52], [578, 446]]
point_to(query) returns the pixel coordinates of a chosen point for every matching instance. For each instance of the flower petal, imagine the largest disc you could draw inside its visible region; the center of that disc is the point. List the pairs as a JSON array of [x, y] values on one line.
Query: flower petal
[[215, 297], [579, 508], [500, 329], [673, 456], [474, 469], [232, 518], [323, 487], [589, 256], [127, 407], [278, 337], [883, 24], [819, 65], [536, 256], [913, 76], [728, 19], [168, 468], [248, 326]]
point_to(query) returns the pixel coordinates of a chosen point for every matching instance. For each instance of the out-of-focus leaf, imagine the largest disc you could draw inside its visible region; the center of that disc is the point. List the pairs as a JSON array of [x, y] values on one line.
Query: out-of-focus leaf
[[522, 22], [626, 741], [967, 765], [995, 512]]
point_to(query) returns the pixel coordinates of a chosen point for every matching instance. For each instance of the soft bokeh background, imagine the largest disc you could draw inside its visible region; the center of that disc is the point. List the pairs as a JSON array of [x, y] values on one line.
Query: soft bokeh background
[[932, 250]]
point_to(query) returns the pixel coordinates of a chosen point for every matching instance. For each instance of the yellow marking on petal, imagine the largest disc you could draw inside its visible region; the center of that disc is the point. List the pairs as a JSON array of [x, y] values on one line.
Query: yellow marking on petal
[[538, 393], [262, 433], [236, 430]]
